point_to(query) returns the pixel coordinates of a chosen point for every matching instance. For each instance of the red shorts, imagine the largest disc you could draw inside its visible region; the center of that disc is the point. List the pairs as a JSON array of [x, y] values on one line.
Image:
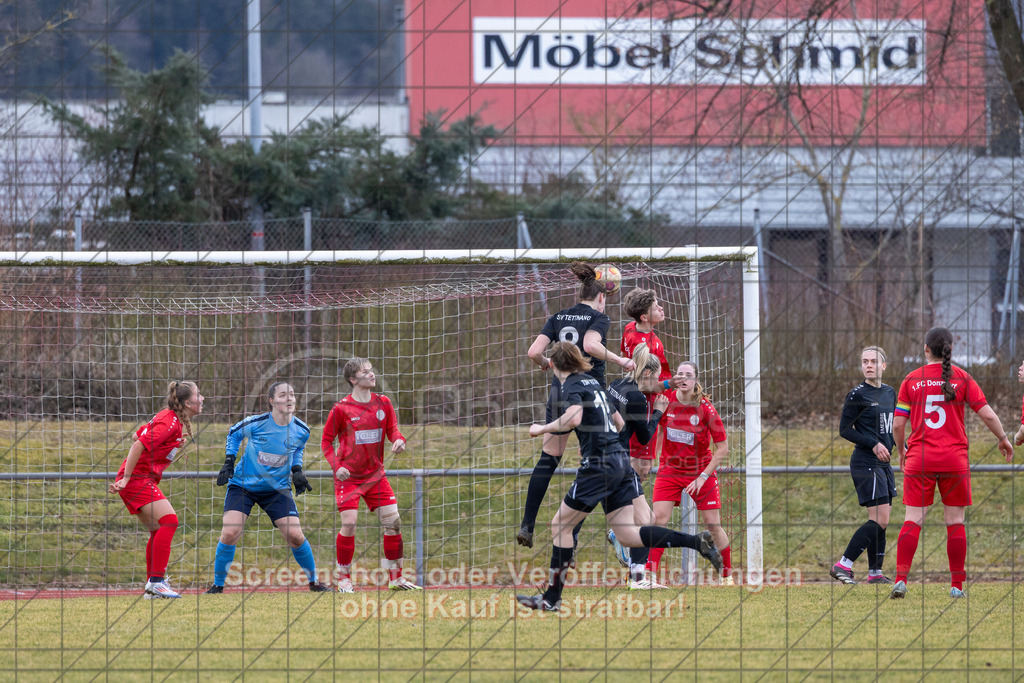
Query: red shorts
[[643, 452], [140, 492], [954, 488], [376, 493], [669, 486]]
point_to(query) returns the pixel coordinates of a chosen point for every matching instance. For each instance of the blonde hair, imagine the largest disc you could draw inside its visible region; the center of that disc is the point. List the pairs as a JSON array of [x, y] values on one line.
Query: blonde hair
[[177, 394], [645, 360], [877, 349], [698, 390]]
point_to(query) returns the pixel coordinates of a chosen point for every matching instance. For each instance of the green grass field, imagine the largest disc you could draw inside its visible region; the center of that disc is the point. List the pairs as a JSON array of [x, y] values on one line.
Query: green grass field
[[823, 632]]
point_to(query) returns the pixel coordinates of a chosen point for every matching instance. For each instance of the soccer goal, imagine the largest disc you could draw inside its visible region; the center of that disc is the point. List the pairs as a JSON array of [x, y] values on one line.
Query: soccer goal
[[92, 339]]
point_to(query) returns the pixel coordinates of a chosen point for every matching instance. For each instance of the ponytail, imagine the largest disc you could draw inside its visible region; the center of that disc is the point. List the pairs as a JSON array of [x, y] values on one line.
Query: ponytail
[[645, 361], [177, 394], [939, 341], [587, 275]]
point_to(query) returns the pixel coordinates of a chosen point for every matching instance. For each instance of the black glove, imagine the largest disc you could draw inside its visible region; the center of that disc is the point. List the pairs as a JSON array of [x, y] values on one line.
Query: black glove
[[300, 481], [227, 471]]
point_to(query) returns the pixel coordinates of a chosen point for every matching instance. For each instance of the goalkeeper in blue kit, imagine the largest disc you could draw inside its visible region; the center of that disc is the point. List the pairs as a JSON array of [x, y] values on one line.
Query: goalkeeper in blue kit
[[275, 443]]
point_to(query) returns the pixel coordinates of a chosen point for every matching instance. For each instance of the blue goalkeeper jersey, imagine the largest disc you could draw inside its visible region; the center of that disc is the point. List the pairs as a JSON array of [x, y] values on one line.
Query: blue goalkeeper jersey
[[270, 452]]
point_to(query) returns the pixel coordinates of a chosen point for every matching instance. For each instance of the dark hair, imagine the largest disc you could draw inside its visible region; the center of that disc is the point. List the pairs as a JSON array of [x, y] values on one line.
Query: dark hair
[[352, 367], [589, 289], [567, 357], [273, 389], [939, 341], [177, 394], [638, 302]]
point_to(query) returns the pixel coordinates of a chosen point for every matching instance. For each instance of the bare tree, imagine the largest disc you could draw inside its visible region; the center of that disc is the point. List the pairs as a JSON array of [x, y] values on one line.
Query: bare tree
[[786, 128], [1002, 19], [17, 33]]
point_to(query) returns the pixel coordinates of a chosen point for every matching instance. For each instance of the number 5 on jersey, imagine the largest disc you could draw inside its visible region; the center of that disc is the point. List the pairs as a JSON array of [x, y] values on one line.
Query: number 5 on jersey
[[930, 406]]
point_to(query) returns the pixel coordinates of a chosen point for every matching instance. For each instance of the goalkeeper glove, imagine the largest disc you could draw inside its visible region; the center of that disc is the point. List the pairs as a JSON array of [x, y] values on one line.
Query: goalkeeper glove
[[227, 471], [300, 481]]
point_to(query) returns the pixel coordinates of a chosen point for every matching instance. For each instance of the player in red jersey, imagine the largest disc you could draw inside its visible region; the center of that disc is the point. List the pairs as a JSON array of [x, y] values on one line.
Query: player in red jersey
[[1018, 438], [643, 307], [692, 427], [934, 397], [155, 446], [359, 422]]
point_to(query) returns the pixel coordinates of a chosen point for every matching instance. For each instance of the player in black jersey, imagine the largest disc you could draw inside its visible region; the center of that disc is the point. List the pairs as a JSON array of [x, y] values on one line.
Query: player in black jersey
[[867, 422], [604, 476], [631, 404], [586, 326]]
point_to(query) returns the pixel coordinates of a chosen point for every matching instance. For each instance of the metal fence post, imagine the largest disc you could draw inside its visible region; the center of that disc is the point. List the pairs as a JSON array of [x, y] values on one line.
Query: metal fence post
[[417, 503], [307, 280], [78, 280], [687, 506]]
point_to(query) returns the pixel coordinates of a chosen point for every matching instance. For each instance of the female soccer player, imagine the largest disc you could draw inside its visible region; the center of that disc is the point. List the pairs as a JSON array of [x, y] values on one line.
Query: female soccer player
[[138, 480], [359, 422], [641, 425], [643, 307], [688, 464], [604, 475], [933, 397], [586, 326], [1018, 438], [867, 422], [275, 443]]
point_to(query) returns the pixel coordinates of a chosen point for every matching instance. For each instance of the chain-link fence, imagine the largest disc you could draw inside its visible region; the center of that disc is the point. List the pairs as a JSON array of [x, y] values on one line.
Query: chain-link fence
[[349, 234]]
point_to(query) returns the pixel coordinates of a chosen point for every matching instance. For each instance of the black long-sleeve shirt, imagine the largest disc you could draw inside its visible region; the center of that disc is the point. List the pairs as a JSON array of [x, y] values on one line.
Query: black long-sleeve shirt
[[632, 405], [867, 421]]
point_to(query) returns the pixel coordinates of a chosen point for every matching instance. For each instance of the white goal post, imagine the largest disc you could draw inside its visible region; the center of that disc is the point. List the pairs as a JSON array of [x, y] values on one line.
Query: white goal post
[[97, 334]]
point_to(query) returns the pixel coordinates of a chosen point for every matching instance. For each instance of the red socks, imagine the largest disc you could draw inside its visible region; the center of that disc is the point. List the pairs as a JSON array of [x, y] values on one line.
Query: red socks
[[956, 548], [726, 560], [346, 548], [654, 560], [906, 547], [160, 540], [149, 554], [393, 551]]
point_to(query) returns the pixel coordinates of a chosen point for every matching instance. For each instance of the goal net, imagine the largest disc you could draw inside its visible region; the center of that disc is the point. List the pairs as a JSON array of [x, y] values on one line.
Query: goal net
[[92, 340]]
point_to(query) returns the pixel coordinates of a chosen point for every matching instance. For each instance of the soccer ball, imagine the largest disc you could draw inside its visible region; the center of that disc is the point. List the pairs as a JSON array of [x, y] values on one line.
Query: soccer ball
[[608, 278]]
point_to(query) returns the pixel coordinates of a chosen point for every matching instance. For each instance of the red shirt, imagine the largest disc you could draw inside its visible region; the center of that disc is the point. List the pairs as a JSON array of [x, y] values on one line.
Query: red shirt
[[160, 438], [938, 440], [631, 339], [689, 431], [360, 429]]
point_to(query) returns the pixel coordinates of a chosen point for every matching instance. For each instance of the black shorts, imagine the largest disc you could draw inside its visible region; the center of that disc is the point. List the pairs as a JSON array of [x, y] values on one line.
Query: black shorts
[[276, 504], [876, 485], [608, 480]]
